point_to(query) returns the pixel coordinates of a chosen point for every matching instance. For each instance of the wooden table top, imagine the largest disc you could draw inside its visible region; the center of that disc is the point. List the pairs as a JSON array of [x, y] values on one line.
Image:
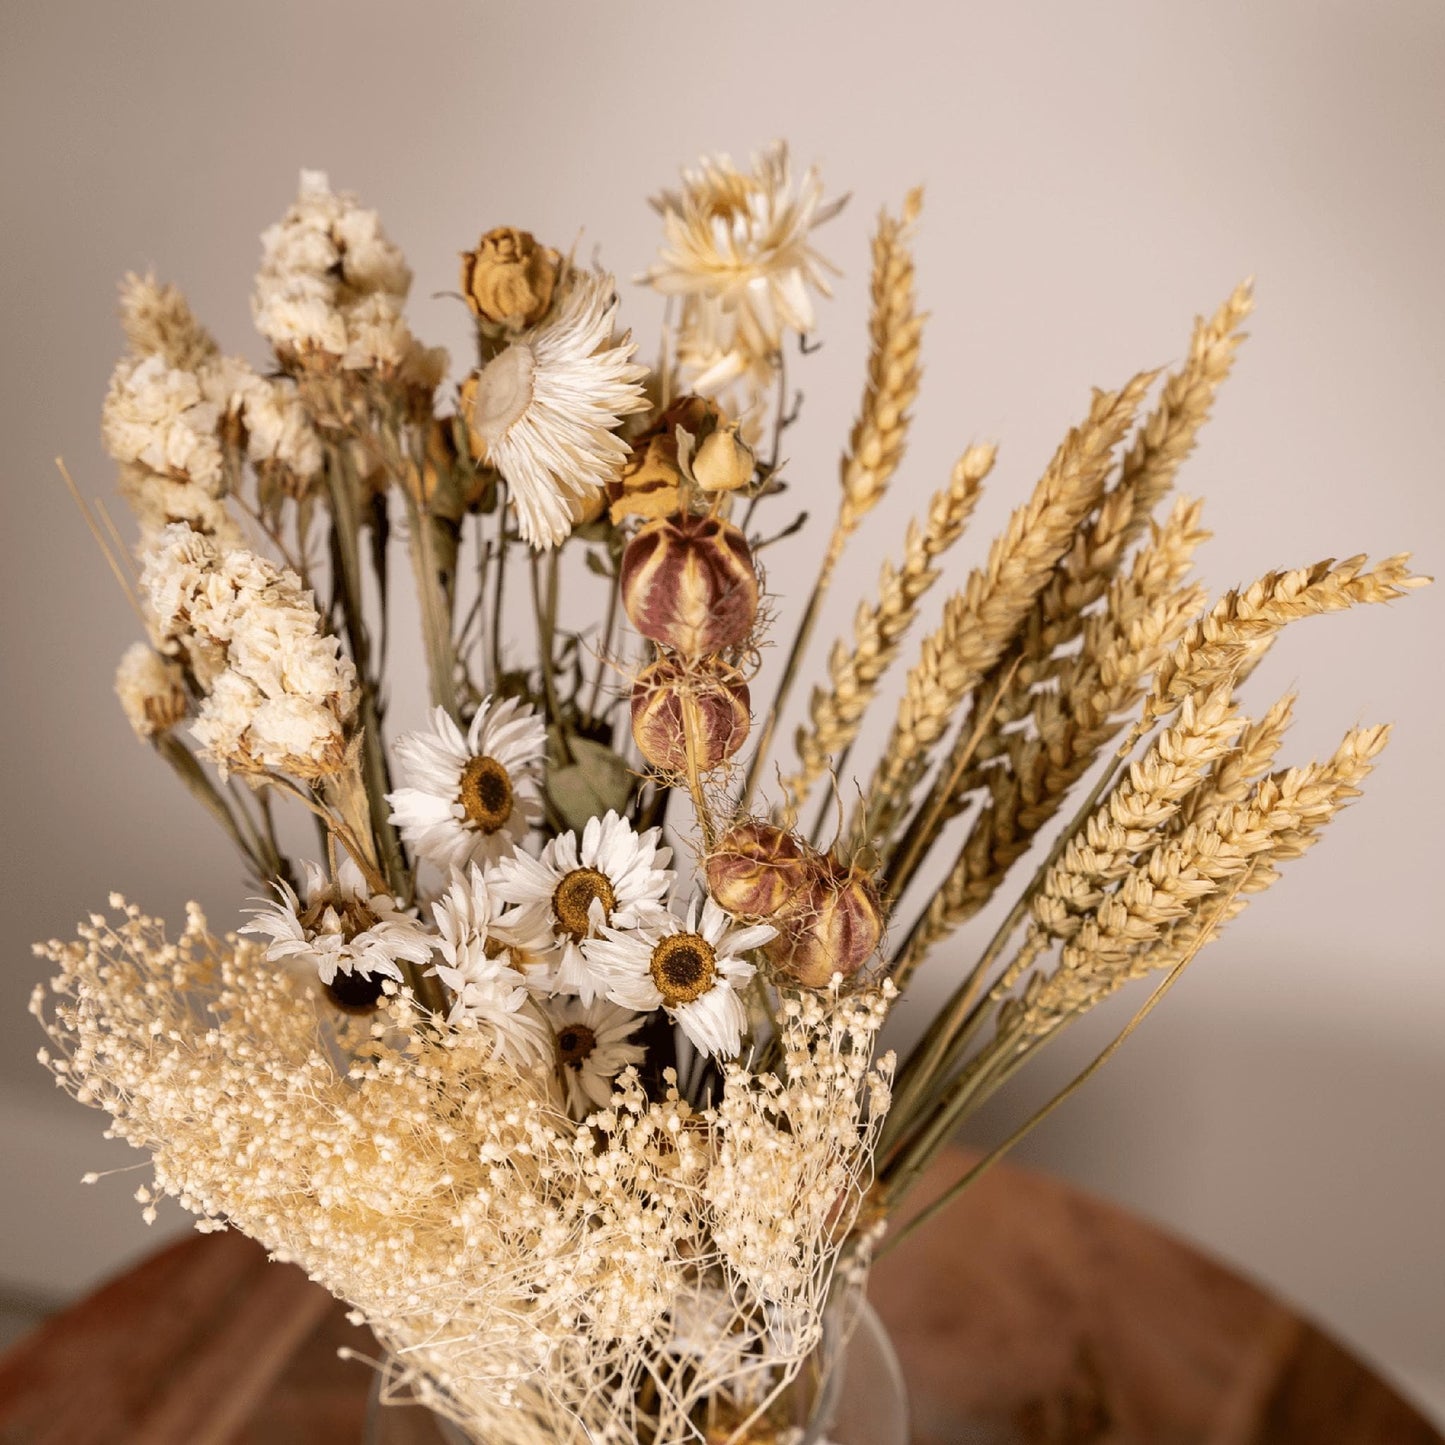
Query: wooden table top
[[1030, 1311]]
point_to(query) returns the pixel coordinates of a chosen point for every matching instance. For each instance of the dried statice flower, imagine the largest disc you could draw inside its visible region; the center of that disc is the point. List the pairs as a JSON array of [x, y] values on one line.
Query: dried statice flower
[[331, 290], [152, 691], [158, 321], [339, 925], [279, 694], [473, 797], [695, 968], [559, 1258], [545, 409], [737, 247], [610, 875]]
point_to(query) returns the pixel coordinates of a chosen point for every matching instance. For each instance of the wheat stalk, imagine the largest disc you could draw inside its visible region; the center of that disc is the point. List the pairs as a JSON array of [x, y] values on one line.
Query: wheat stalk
[[855, 670], [980, 622]]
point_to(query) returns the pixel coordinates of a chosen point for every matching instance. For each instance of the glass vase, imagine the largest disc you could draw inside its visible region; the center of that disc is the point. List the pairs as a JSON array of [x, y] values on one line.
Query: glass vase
[[861, 1401]]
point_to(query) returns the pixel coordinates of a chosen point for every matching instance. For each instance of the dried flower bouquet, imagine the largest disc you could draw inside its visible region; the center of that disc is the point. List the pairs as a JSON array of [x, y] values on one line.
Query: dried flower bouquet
[[557, 1060]]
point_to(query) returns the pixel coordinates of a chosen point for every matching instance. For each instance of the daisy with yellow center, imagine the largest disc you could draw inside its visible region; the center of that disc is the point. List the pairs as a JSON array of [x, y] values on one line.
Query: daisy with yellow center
[[545, 409], [593, 1045], [471, 798], [352, 937], [610, 876], [737, 249], [695, 968], [473, 938]]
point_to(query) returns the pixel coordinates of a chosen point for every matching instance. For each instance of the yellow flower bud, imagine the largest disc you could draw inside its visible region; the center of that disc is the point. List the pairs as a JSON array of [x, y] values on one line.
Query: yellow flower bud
[[689, 583], [509, 279], [759, 871], [713, 693], [723, 462]]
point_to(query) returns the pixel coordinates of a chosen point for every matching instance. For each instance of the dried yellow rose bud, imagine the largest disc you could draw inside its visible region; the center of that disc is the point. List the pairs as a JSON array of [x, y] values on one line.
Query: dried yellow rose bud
[[689, 583], [834, 930], [758, 870], [723, 462], [509, 279], [716, 697], [652, 474]]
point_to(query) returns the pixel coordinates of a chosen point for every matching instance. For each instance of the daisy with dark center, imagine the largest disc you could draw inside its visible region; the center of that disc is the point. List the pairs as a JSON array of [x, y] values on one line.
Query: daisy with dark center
[[354, 938], [473, 798], [695, 968], [611, 876], [593, 1045]]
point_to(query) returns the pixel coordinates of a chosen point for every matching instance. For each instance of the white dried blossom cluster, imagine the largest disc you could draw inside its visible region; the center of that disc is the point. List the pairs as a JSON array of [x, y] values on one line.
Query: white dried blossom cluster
[[152, 690], [279, 693], [332, 288], [565, 1281]]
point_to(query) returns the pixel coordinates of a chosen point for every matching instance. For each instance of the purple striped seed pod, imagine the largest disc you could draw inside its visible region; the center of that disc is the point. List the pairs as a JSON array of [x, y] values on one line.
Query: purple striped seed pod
[[758, 871], [835, 928], [720, 707], [689, 583]]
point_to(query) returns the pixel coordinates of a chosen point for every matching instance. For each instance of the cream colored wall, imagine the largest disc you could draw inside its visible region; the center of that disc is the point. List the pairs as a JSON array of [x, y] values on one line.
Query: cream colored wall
[[1096, 174]]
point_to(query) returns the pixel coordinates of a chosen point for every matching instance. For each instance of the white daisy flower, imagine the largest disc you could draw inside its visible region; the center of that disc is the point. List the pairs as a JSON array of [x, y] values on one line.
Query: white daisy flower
[[471, 930], [693, 969], [342, 928], [546, 406], [473, 798], [611, 876], [593, 1045]]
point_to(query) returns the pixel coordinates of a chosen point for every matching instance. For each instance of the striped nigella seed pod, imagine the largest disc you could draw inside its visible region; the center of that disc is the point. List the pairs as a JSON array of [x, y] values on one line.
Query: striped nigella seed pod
[[689, 583], [834, 928], [716, 697], [757, 870]]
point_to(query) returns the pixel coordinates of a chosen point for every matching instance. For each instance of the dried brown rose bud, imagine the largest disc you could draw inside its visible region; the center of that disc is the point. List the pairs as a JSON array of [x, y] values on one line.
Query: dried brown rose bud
[[689, 583], [758, 870], [509, 278], [835, 929], [648, 485], [717, 697], [723, 461]]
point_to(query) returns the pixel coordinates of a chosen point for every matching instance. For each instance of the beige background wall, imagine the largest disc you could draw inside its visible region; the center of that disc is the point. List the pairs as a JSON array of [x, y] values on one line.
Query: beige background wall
[[1096, 174]]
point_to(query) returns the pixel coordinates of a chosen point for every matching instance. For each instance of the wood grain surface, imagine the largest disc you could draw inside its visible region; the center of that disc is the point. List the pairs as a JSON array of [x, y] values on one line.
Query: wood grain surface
[[1029, 1314]]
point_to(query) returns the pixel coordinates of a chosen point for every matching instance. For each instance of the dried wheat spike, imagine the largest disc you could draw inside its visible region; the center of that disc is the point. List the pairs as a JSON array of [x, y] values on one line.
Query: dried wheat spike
[[855, 669], [1071, 721], [981, 621], [1235, 774], [1178, 897], [895, 330], [1234, 634]]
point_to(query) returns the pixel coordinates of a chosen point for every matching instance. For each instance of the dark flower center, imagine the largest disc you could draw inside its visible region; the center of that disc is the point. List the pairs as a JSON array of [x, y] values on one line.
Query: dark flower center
[[354, 993], [572, 900], [575, 1043], [683, 967], [486, 793]]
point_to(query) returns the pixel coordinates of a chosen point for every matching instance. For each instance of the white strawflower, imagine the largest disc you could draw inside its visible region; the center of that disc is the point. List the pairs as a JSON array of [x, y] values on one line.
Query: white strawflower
[[593, 1044], [737, 249], [612, 876], [339, 926], [693, 969], [545, 408], [471, 798], [471, 934], [152, 691]]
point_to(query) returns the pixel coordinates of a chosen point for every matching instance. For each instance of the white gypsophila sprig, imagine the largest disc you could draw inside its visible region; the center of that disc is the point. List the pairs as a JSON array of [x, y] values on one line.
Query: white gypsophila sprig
[[473, 797], [545, 408], [695, 968], [280, 695], [472, 932], [737, 248], [610, 875], [593, 1044], [513, 1265], [339, 926]]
